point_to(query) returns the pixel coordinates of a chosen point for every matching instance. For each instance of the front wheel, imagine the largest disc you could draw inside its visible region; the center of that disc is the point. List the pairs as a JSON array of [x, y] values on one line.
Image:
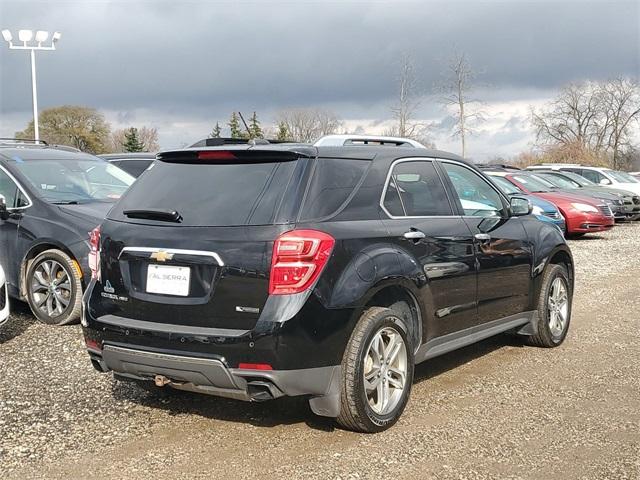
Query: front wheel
[[554, 308], [54, 290], [377, 371]]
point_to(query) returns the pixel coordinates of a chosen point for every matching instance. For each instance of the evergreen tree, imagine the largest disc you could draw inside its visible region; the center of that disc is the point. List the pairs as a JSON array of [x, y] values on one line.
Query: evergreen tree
[[283, 132], [234, 126], [132, 142], [216, 132], [254, 127]]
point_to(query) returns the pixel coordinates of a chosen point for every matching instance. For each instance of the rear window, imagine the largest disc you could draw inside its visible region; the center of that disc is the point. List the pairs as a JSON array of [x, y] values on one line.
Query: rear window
[[334, 180], [220, 194]]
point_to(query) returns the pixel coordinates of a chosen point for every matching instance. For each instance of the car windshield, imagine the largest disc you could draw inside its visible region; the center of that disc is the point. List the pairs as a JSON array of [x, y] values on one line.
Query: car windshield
[[506, 186], [533, 183], [579, 179], [558, 181], [75, 181], [622, 177]]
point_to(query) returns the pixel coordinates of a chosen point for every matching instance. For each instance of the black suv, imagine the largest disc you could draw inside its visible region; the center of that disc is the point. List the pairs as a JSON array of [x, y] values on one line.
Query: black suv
[[253, 272], [50, 198]]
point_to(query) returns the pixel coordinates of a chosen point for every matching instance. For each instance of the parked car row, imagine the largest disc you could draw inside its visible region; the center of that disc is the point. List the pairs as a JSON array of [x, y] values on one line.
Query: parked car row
[[257, 270], [584, 206]]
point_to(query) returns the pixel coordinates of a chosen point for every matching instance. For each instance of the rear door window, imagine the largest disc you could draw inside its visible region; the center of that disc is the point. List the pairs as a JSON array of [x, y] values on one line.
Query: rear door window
[[414, 189], [219, 194], [333, 181]]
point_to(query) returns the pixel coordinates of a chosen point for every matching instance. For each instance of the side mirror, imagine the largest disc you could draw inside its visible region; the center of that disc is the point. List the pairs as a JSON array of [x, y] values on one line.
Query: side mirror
[[4, 213], [520, 206], [605, 181]]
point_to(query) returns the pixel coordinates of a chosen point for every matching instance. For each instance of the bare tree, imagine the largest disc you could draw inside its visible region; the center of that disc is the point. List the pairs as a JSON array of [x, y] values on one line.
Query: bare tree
[[147, 135], [455, 93], [591, 117], [574, 117], [308, 124], [621, 99], [407, 101]]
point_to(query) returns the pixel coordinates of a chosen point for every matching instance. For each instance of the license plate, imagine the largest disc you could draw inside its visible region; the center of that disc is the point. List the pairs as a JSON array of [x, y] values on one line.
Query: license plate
[[168, 280]]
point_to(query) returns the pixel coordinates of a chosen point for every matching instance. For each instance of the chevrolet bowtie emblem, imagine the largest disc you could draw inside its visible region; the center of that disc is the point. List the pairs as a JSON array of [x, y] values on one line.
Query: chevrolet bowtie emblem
[[161, 256]]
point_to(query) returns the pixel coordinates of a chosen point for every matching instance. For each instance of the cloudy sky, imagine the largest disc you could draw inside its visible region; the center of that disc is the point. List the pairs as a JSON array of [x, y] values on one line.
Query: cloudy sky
[[181, 66]]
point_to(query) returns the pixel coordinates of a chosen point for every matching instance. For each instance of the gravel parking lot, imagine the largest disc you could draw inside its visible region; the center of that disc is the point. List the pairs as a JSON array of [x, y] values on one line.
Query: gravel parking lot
[[493, 410]]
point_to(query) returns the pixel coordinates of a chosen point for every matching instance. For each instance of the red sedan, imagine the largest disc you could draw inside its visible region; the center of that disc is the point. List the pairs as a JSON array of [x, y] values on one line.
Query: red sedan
[[582, 214]]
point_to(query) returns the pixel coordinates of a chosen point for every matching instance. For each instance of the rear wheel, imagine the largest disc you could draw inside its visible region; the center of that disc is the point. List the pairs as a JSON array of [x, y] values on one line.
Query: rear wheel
[[377, 371], [554, 308], [54, 290]]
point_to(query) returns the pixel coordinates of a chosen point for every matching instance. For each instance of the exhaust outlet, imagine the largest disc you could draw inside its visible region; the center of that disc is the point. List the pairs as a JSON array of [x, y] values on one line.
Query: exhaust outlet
[[161, 380]]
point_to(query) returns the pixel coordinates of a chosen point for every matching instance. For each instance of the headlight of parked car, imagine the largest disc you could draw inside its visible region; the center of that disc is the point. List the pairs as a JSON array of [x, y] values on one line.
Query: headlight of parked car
[[583, 207], [537, 210]]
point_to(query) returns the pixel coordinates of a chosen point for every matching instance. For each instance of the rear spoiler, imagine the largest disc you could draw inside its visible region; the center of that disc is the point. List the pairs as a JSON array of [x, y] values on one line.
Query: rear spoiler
[[237, 155]]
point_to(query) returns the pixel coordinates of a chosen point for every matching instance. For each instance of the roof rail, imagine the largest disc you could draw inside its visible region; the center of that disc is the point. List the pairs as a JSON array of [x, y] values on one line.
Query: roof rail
[[549, 164], [368, 140], [22, 140], [496, 166]]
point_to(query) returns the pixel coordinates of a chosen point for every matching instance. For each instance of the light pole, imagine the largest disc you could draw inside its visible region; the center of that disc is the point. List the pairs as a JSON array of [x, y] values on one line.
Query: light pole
[[26, 37]]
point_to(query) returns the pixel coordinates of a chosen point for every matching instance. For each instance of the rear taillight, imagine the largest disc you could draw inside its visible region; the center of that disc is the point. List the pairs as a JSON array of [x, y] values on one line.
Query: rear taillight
[[94, 253], [298, 259]]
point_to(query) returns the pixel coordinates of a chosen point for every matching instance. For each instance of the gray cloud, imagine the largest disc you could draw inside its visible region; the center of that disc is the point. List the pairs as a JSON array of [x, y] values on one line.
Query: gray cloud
[[203, 59]]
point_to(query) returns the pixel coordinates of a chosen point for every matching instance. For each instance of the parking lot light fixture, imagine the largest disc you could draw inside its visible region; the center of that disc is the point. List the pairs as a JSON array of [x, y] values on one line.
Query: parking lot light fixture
[[26, 36]]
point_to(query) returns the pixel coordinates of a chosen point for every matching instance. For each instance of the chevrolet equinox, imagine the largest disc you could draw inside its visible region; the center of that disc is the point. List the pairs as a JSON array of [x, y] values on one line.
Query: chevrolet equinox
[[258, 271]]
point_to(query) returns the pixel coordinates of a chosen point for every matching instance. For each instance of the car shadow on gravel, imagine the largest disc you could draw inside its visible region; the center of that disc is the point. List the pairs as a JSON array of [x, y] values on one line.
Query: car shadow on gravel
[[452, 360], [286, 410], [282, 411], [19, 321]]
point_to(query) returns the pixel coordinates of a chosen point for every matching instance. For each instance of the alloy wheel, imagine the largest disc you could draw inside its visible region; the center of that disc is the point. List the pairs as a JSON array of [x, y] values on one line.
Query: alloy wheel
[[51, 288], [385, 371], [558, 306]]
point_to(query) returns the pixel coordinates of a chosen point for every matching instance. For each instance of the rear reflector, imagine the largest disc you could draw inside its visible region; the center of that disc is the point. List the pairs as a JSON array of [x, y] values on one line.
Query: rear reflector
[[94, 252], [93, 344], [255, 366], [298, 259], [216, 155]]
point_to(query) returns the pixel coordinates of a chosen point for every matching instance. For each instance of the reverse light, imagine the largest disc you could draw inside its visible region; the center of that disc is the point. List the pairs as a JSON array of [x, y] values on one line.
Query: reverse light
[[298, 259], [583, 207], [94, 253], [255, 366]]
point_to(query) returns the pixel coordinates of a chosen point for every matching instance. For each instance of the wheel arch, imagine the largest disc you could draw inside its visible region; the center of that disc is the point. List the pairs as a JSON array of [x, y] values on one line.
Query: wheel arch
[[560, 255], [402, 296], [36, 249]]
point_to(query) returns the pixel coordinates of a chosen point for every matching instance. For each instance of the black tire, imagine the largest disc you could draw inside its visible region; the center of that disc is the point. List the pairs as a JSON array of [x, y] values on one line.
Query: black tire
[[355, 412], [575, 236], [73, 294], [544, 336]]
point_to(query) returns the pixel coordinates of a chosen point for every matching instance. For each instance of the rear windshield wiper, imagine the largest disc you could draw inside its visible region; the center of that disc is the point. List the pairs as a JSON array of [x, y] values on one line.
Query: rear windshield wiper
[[155, 214]]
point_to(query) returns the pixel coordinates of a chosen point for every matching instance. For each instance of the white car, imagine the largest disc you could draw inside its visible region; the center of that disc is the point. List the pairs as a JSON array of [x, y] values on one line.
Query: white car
[[599, 175], [4, 298]]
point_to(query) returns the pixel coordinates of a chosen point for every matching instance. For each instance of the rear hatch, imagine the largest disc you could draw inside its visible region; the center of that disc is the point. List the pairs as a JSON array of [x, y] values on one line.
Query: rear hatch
[[190, 243]]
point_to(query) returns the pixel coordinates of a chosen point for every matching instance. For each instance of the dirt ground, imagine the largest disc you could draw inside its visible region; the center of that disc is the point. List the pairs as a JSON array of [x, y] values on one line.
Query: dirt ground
[[493, 410]]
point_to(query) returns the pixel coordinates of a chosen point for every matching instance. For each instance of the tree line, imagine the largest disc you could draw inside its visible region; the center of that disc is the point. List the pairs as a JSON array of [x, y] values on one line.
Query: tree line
[[86, 129], [587, 122]]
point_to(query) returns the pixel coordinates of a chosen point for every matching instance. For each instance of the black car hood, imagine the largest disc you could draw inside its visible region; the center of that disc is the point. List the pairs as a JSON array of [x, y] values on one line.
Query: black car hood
[[92, 213]]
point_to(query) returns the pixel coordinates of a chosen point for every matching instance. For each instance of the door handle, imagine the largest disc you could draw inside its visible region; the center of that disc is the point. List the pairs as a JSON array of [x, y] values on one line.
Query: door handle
[[482, 237], [414, 235]]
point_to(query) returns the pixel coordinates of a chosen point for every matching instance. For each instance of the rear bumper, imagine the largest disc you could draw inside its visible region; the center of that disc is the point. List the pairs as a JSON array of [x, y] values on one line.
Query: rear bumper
[[213, 376], [299, 340]]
